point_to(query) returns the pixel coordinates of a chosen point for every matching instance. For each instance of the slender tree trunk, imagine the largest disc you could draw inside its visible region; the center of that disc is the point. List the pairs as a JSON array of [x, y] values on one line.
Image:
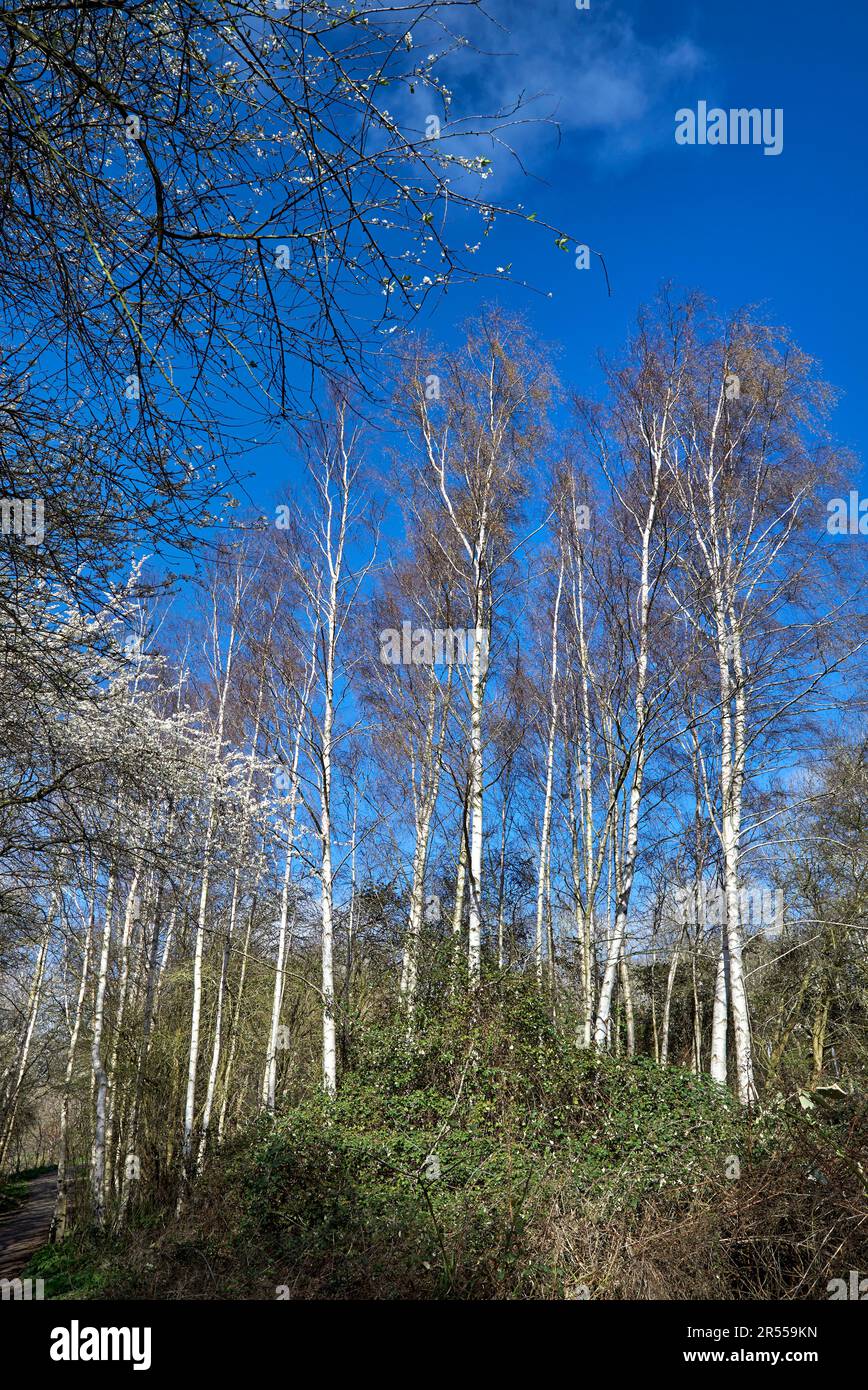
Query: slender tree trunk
[[240, 866], [164, 959], [586, 800], [731, 773], [547, 801], [269, 1080], [697, 1015], [667, 1004], [720, 1013], [628, 866], [818, 1037], [144, 1051], [627, 993], [622, 903], [59, 1219], [477, 689], [460, 881], [131, 915], [429, 787], [501, 885], [98, 1072], [11, 1106], [196, 1010], [329, 1049], [234, 1031]]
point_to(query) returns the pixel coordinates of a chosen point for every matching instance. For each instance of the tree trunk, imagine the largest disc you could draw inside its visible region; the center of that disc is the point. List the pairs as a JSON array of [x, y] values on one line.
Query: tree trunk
[[543, 869], [59, 1219], [11, 1105], [720, 1013], [98, 1073], [667, 1004]]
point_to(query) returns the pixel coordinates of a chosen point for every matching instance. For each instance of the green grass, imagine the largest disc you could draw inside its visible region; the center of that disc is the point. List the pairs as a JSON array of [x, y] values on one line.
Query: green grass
[[70, 1270], [13, 1190], [12, 1194]]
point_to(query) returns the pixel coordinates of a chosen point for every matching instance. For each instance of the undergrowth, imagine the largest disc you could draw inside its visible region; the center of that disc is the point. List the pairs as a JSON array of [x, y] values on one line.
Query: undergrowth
[[488, 1157]]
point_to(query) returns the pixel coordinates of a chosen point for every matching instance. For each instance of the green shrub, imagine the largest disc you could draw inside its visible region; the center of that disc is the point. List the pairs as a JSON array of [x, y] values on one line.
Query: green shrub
[[489, 1157], [514, 1121]]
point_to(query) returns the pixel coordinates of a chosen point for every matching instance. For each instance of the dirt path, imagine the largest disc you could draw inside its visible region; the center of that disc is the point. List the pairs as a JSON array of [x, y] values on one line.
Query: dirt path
[[26, 1228]]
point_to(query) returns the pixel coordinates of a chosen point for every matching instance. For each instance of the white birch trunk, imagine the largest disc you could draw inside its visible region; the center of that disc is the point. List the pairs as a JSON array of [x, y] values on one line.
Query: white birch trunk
[[426, 801], [474, 920], [240, 866], [720, 1013], [233, 1046], [460, 881], [269, 1080], [625, 884], [58, 1221], [547, 802], [196, 1007], [131, 913], [329, 1041], [98, 1072]]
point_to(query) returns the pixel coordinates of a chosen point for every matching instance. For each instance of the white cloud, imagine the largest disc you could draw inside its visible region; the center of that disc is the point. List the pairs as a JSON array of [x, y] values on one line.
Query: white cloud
[[586, 70]]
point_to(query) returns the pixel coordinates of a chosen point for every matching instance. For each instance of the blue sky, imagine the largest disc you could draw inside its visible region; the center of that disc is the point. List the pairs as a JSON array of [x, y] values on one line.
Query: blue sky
[[784, 231]]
